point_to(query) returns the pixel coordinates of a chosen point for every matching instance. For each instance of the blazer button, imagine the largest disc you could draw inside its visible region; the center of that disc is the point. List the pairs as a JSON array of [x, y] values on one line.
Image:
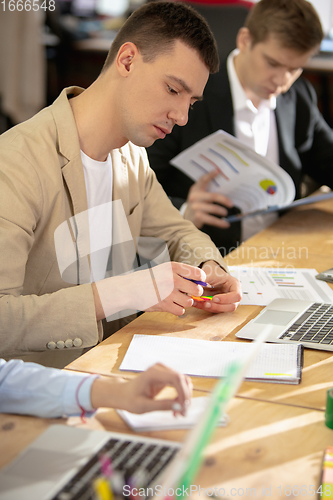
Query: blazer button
[[69, 343], [51, 345], [60, 344], [77, 342]]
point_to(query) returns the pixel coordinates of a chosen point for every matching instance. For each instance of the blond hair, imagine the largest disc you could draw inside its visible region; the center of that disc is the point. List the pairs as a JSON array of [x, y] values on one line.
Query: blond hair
[[295, 23]]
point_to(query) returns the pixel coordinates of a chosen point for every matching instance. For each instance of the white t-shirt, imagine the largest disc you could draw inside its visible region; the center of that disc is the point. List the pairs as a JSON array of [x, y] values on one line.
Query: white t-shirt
[[255, 127], [98, 179]]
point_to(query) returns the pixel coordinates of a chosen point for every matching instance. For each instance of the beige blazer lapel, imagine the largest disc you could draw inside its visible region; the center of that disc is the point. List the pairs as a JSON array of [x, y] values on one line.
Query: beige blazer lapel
[[72, 171]]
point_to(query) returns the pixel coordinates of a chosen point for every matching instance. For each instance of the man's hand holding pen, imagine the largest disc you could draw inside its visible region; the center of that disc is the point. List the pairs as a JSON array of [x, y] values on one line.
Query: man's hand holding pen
[[210, 288], [225, 290], [169, 287]]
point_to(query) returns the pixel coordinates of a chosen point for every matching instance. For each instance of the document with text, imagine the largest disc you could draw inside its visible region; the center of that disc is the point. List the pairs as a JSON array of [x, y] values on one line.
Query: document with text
[[249, 179], [261, 285]]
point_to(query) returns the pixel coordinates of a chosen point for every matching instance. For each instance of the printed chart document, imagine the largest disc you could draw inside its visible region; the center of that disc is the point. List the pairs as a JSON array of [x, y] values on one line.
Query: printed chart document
[[203, 358], [165, 420], [261, 285], [250, 180]]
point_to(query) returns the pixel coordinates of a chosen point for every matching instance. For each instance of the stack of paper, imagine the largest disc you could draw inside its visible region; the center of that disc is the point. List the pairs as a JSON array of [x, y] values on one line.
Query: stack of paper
[[274, 363]]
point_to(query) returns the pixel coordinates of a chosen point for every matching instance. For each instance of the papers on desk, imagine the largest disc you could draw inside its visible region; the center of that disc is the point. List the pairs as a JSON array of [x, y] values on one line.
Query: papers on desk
[[261, 285], [164, 420], [204, 358], [250, 180]]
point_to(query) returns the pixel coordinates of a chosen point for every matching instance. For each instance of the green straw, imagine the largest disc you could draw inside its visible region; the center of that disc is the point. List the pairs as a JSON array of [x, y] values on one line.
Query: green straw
[[223, 393], [188, 461]]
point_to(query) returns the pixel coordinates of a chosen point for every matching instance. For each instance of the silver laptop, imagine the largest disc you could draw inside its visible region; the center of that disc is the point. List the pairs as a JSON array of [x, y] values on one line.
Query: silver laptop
[[62, 463], [294, 321]]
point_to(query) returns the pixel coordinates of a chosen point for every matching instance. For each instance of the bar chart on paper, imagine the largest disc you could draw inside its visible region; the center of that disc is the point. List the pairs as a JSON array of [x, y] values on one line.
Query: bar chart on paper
[[261, 285], [250, 180]]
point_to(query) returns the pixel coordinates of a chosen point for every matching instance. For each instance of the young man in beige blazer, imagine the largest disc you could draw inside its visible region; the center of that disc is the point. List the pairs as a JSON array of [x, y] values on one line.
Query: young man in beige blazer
[[156, 69]]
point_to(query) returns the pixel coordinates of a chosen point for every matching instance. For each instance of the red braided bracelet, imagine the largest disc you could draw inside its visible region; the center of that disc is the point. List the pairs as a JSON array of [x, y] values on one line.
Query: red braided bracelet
[[83, 411]]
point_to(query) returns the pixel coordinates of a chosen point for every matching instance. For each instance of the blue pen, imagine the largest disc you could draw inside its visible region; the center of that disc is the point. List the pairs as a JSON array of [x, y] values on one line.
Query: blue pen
[[202, 283], [198, 282]]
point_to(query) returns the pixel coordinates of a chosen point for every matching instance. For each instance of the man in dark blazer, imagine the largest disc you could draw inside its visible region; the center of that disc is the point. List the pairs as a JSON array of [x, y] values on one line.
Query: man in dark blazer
[[278, 39]]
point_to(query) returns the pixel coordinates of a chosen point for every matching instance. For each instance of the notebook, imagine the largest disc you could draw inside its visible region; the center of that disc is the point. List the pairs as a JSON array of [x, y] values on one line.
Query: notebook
[[294, 321], [165, 420], [63, 461], [204, 358]]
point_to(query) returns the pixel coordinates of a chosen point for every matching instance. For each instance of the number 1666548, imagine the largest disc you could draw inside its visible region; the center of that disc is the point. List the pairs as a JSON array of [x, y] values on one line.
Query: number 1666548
[[27, 5]]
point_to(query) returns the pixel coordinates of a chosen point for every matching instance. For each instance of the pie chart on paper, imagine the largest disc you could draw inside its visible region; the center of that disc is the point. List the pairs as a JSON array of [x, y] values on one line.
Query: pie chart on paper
[[268, 186], [252, 181]]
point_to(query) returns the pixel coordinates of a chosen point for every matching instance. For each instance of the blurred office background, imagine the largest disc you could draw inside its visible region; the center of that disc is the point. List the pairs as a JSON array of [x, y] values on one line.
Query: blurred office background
[[42, 52]]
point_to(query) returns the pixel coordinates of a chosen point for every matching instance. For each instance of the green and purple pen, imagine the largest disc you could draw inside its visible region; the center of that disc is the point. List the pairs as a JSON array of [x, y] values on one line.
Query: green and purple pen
[[202, 298]]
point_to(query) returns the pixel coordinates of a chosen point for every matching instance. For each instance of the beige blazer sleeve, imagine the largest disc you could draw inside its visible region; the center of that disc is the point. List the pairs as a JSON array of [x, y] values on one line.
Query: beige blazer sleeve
[[39, 311], [37, 308], [150, 213], [42, 185]]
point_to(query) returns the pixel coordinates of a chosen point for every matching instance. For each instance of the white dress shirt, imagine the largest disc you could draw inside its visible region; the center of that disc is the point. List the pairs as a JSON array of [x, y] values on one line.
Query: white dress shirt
[[255, 127], [32, 389]]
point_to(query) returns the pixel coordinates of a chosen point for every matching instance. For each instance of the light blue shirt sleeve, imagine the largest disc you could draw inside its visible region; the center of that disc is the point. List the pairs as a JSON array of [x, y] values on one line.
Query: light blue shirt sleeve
[[32, 389]]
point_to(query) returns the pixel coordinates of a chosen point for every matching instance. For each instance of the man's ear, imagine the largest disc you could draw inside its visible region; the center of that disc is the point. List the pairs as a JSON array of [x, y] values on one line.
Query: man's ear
[[127, 54], [244, 39]]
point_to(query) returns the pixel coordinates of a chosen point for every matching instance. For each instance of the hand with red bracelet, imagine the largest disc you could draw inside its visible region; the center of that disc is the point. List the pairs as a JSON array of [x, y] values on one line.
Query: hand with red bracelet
[[138, 394]]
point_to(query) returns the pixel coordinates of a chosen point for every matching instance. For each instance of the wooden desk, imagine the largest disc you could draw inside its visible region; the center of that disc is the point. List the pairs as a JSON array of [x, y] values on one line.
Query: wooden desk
[[303, 236], [276, 436], [265, 445], [288, 242]]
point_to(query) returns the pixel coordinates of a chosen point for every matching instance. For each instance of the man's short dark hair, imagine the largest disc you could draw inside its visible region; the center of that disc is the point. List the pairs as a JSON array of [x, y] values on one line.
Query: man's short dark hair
[[155, 27], [295, 23]]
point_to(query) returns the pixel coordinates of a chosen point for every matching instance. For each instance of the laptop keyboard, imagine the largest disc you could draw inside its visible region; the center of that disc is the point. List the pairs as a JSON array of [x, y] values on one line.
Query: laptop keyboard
[[315, 325], [131, 459]]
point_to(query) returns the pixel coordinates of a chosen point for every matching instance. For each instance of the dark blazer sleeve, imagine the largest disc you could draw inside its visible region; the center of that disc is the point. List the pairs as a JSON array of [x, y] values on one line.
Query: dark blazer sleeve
[[305, 139], [175, 183], [213, 113], [316, 140]]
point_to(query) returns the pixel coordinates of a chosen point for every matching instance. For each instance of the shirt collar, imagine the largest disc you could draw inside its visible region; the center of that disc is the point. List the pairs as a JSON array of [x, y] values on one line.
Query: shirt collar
[[239, 99]]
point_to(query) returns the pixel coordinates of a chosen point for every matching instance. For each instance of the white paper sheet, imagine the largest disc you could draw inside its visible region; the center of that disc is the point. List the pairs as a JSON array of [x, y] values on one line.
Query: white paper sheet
[[164, 420], [261, 285], [205, 358]]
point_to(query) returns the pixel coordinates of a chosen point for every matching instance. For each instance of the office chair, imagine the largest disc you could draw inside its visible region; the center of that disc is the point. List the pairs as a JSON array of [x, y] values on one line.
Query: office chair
[[225, 21]]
